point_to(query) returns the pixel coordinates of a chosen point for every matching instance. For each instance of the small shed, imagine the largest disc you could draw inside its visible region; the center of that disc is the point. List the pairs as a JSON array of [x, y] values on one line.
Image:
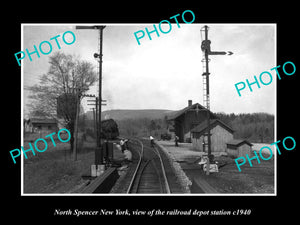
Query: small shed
[[41, 124], [220, 135], [239, 148]]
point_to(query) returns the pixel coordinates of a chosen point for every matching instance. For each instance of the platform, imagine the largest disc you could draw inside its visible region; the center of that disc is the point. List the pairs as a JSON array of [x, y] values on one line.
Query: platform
[[103, 183], [187, 157]]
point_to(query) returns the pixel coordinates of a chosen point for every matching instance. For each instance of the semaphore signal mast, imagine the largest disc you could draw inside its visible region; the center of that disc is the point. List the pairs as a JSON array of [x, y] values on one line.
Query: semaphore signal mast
[[205, 47]]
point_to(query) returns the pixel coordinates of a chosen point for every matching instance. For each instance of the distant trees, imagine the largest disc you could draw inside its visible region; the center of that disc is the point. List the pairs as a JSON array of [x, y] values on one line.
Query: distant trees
[[256, 127], [142, 127]]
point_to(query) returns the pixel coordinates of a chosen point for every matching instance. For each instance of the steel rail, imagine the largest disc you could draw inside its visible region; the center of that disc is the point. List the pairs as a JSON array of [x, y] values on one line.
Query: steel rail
[[164, 172], [137, 167], [138, 178]]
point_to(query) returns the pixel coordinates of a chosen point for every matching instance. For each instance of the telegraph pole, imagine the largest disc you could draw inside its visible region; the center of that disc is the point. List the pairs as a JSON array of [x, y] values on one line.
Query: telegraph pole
[[95, 114], [79, 95], [97, 127], [205, 47], [98, 150], [76, 125]]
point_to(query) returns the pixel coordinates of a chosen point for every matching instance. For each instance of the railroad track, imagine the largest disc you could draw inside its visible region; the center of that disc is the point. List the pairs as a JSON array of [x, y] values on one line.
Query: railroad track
[[151, 171]]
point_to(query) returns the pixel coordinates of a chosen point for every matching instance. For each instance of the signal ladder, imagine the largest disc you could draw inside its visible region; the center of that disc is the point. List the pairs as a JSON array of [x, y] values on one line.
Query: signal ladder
[[206, 99], [206, 103]]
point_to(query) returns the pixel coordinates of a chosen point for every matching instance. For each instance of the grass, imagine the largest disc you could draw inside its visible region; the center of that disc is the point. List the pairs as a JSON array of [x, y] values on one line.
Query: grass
[[54, 170], [256, 179]]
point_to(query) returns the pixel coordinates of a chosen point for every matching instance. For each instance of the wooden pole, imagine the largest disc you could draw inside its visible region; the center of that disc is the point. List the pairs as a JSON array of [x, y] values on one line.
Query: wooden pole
[[76, 126], [99, 153]]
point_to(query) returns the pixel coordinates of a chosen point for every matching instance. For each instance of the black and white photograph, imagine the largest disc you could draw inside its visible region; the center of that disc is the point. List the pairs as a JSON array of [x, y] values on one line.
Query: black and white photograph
[[152, 115], [171, 106]]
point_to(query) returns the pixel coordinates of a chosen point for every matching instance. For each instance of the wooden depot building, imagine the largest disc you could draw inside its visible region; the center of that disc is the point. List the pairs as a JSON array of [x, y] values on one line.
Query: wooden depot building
[[184, 120], [220, 134], [190, 125]]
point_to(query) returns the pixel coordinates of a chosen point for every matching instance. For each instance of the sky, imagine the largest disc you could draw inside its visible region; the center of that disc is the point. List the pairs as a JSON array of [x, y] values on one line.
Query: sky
[[165, 72]]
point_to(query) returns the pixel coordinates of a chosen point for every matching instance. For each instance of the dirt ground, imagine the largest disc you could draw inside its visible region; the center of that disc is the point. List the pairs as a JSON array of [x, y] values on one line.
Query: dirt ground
[[251, 180], [256, 179]]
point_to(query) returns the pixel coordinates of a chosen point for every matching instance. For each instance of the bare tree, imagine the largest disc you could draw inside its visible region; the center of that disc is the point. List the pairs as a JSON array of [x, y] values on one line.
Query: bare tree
[[67, 76]]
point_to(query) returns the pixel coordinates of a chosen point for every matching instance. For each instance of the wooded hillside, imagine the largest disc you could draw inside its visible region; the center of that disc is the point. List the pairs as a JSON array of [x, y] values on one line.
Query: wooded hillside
[[256, 127]]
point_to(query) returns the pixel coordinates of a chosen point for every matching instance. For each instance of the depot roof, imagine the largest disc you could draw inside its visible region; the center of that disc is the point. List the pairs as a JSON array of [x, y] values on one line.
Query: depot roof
[[195, 107], [201, 128], [238, 142]]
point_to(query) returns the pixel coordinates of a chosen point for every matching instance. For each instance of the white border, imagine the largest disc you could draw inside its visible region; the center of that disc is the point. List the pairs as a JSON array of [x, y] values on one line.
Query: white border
[[130, 195], [22, 112]]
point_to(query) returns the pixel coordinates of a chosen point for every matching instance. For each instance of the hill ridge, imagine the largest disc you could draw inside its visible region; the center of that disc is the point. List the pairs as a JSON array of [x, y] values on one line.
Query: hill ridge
[[123, 114]]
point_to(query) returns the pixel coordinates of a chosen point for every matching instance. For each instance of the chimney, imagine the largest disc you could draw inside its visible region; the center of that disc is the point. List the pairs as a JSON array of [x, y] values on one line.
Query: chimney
[[190, 103]]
